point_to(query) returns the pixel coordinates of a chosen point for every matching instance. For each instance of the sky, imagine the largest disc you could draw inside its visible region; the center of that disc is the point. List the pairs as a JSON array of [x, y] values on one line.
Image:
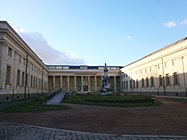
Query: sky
[[94, 32]]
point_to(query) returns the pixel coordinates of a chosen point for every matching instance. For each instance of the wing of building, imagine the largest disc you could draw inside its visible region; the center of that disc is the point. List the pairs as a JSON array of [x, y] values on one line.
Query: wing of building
[[23, 74], [163, 72]]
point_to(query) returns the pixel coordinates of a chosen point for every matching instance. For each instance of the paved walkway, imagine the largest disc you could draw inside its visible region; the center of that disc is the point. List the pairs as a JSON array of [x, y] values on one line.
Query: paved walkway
[[57, 99], [14, 131]]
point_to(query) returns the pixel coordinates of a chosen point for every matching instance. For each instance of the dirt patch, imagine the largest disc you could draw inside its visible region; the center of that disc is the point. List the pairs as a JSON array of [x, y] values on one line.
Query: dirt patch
[[170, 118]]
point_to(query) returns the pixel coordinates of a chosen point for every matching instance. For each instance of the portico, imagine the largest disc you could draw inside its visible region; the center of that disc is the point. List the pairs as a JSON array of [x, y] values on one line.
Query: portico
[[87, 80]]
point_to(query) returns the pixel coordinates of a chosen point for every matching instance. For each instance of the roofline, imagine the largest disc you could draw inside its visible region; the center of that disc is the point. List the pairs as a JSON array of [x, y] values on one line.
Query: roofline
[[5, 22], [168, 46], [83, 65]]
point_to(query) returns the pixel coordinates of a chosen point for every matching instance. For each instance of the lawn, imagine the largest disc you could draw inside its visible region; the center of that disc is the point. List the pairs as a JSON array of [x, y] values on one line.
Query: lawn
[[113, 101], [35, 105], [180, 100]]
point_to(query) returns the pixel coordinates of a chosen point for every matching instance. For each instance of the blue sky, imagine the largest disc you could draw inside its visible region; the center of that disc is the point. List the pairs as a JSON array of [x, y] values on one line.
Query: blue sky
[[94, 32]]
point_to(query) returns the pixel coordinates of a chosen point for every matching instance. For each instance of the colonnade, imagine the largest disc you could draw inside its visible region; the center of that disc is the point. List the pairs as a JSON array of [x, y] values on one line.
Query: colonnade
[[79, 83]]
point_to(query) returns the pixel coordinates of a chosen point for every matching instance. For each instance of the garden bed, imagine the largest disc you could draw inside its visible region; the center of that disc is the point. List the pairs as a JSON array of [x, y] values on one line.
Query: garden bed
[[114, 100]]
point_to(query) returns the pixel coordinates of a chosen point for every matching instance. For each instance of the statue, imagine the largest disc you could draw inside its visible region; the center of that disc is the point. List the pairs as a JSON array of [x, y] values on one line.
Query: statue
[[105, 89]]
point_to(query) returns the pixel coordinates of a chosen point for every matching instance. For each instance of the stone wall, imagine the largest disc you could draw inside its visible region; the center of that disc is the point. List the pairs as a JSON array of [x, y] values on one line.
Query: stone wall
[[163, 72]]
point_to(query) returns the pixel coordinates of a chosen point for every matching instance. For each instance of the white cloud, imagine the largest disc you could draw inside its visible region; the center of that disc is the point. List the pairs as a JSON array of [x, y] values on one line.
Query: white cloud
[[170, 24], [184, 22], [128, 37], [47, 53]]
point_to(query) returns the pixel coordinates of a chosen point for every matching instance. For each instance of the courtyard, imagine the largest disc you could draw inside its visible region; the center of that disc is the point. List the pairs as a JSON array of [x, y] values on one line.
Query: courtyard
[[170, 118]]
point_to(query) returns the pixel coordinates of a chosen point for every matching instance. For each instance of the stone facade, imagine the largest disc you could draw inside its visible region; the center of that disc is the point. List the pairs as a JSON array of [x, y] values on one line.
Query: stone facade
[[81, 78], [163, 72], [23, 74]]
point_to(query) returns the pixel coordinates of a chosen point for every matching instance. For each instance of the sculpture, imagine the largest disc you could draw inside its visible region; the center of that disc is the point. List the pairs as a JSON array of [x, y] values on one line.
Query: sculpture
[[105, 89]]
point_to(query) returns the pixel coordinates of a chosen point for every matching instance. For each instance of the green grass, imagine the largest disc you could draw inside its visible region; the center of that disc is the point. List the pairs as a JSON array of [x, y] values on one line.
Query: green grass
[[35, 105], [114, 100], [180, 100]]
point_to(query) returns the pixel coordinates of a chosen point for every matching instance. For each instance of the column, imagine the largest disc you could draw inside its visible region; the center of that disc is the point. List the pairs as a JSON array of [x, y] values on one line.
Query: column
[[114, 83], [68, 82], [88, 83], [81, 83], [54, 83], [95, 83], [75, 83]]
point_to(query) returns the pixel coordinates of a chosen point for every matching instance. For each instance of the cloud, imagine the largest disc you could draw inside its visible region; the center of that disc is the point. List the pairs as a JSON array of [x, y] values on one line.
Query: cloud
[[184, 22], [128, 37], [170, 24], [47, 53]]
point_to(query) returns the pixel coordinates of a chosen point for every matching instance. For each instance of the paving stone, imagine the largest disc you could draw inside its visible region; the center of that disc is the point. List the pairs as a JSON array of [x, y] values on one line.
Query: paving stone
[[15, 131]]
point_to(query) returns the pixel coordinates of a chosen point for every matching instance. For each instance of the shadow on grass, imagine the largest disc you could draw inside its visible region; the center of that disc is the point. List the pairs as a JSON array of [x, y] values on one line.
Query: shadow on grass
[[34, 106]]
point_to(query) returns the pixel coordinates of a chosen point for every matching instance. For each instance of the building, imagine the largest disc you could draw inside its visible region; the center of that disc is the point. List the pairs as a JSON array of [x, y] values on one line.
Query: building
[[81, 79], [163, 72], [23, 74]]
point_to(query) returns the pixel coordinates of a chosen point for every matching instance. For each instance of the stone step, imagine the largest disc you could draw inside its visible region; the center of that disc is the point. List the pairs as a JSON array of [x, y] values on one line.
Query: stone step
[[57, 99]]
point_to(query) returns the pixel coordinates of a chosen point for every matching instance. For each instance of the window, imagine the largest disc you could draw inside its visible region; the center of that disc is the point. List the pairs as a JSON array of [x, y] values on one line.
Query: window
[[31, 81], [10, 52], [152, 81], [23, 77], [19, 58], [126, 84], [142, 82], [147, 82], [130, 83], [160, 80], [18, 77], [133, 84], [137, 83], [36, 82], [175, 79], [26, 79], [8, 74], [24, 61], [167, 80], [123, 84]]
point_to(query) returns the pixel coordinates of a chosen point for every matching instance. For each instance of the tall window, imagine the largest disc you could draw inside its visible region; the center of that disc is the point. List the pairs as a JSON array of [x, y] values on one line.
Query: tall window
[[142, 82], [31, 81], [152, 81], [26, 79], [175, 79], [167, 80], [10, 52], [18, 77], [23, 78], [147, 82], [8, 74], [127, 85], [130, 83], [24, 61], [19, 58], [133, 84], [137, 83], [160, 80]]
